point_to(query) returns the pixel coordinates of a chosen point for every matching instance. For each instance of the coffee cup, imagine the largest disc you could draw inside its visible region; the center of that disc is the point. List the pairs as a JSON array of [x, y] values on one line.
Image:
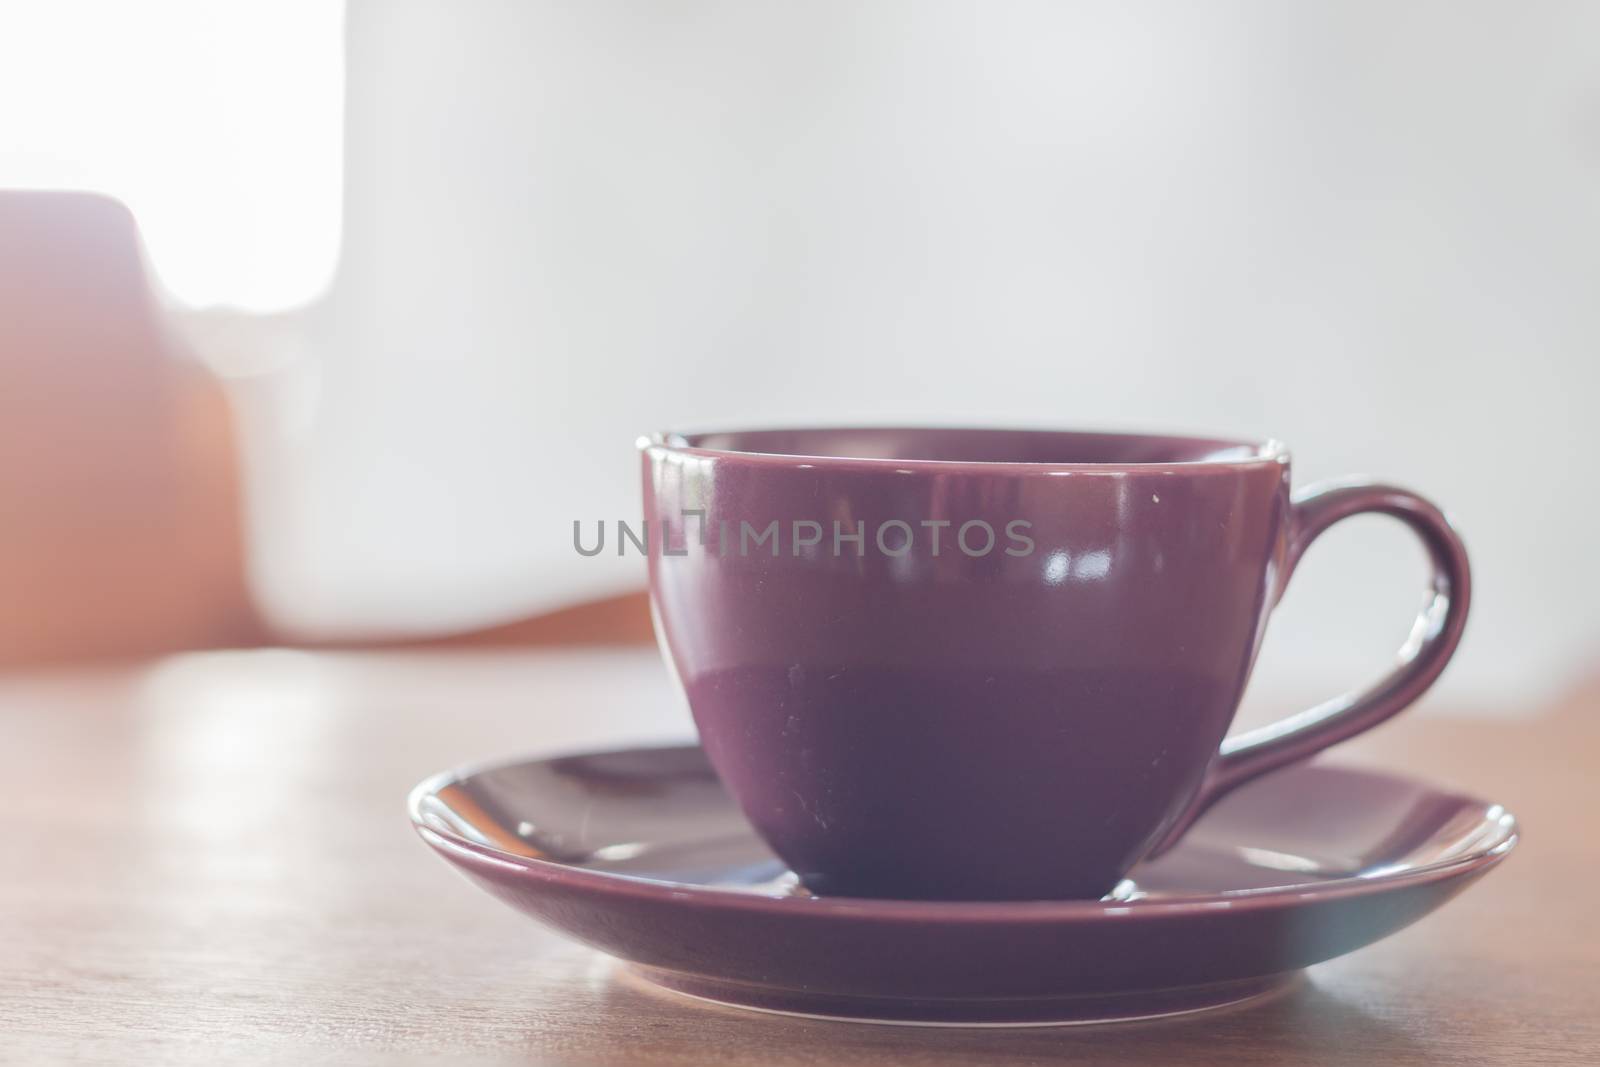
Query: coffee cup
[[970, 664]]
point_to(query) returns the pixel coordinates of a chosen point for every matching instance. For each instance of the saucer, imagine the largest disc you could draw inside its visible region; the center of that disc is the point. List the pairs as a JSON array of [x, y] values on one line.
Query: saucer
[[639, 853]]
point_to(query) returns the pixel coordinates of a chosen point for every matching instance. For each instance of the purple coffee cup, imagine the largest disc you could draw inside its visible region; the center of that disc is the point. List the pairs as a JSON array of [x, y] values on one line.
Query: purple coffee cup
[[995, 664]]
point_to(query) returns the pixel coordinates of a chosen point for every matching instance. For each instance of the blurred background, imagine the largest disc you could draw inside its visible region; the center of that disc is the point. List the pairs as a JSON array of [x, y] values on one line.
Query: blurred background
[[320, 323]]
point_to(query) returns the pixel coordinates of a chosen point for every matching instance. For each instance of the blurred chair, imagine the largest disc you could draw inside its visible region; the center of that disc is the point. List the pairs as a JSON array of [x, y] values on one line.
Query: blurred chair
[[121, 533], [121, 524]]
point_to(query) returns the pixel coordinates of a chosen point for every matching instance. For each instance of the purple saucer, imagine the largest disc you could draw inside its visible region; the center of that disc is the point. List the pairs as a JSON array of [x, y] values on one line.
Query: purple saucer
[[640, 854]]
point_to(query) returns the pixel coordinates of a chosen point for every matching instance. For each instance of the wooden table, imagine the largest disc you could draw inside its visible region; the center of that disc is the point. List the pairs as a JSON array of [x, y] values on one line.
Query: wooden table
[[207, 862]]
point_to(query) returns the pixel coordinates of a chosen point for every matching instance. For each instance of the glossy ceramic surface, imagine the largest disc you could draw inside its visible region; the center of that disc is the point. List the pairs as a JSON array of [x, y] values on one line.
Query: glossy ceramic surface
[[904, 720], [641, 854]]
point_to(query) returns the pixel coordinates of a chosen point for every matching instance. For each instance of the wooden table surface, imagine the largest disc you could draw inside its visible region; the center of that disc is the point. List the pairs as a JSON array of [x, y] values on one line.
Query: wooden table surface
[[207, 861]]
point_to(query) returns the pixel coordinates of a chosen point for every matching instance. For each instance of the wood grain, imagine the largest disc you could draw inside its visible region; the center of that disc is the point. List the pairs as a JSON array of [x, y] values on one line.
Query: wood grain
[[207, 862]]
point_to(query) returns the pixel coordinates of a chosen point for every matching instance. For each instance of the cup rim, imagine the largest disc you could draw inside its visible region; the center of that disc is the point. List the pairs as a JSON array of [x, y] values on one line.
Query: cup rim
[[1251, 453]]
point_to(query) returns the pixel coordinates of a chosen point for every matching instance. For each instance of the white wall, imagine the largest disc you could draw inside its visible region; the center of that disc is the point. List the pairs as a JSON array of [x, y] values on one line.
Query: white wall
[[1367, 228], [181, 109]]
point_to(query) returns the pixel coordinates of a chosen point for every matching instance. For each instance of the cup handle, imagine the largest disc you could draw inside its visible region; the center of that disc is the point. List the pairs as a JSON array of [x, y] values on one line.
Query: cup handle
[[1433, 640]]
